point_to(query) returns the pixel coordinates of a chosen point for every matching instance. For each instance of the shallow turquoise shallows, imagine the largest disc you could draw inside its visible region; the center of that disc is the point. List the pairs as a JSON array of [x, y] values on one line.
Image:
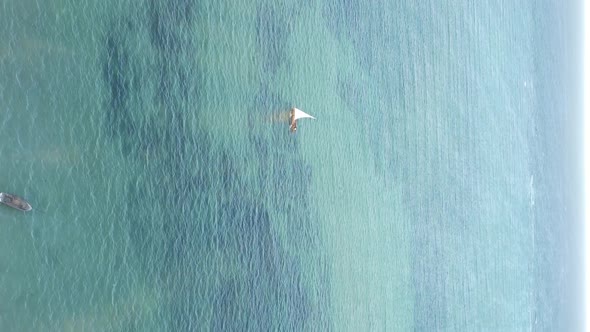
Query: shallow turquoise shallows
[[151, 137]]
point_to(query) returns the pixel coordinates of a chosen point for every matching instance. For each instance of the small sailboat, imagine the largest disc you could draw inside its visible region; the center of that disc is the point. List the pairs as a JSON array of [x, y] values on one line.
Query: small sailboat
[[297, 114], [15, 202]]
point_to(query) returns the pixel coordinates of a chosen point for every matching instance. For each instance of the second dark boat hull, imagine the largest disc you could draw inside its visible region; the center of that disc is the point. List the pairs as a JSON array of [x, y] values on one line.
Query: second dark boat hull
[[15, 202]]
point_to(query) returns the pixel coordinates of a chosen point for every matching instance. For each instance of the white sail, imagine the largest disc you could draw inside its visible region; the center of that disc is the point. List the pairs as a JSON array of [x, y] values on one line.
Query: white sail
[[299, 114]]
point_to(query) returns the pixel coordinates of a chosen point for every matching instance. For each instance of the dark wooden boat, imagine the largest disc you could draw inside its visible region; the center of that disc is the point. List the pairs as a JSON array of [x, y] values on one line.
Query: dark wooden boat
[[15, 202]]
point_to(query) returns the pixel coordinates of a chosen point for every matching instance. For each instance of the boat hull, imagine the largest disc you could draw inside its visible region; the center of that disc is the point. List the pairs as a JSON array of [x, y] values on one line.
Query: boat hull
[[15, 202]]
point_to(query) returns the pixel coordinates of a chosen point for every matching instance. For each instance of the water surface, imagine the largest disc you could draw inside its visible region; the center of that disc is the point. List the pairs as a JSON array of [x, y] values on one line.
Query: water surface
[[433, 192]]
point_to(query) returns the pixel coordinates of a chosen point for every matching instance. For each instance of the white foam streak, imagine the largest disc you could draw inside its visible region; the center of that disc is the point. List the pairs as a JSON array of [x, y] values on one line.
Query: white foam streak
[[587, 159]]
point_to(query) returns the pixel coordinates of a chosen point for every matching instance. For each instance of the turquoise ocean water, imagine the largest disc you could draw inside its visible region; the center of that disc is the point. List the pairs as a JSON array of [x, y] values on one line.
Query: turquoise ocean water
[[437, 188]]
